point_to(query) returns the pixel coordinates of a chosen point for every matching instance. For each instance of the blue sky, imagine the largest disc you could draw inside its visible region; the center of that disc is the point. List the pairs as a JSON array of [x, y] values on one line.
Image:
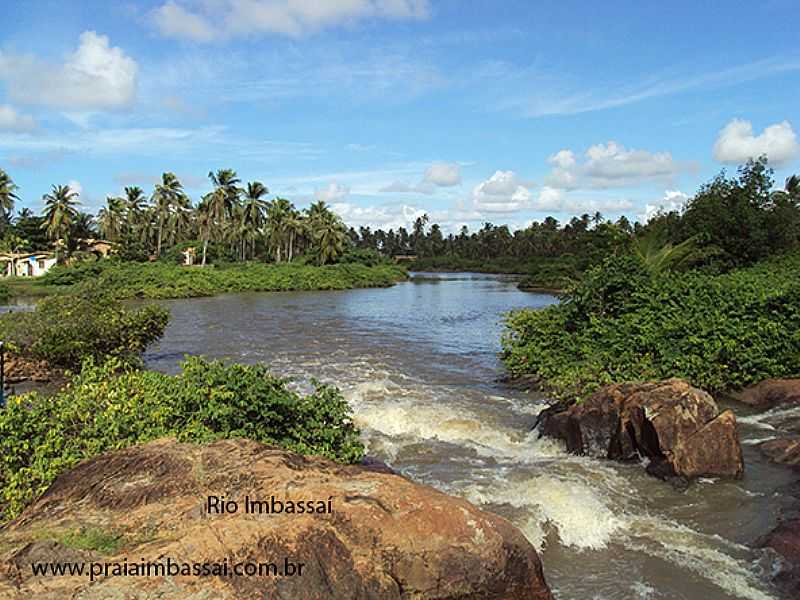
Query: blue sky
[[471, 111]]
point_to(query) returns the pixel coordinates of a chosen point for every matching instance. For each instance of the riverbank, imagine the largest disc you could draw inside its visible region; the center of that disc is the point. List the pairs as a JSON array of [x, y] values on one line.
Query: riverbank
[[126, 280], [544, 275], [624, 322]]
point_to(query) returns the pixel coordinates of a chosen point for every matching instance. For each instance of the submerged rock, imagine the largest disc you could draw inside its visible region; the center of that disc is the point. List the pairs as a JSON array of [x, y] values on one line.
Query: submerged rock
[[375, 534], [784, 451], [677, 427], [770, 393], [785, 541]]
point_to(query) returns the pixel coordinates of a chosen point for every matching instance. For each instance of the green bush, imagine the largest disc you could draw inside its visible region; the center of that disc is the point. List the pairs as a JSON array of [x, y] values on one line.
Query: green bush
[[164, 280], [364, 256], [5, 292], [112, 406], [620, 323], [63, 330]]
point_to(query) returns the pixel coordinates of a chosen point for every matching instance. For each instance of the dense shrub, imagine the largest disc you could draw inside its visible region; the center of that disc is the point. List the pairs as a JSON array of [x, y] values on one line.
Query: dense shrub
[[110, 407], [363, 256], [163, 280], [5, 292], [63, 330], [621, 323]]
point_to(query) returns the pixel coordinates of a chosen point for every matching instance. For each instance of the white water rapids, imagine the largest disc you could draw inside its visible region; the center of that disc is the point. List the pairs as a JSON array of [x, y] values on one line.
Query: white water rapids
[[417, 363]]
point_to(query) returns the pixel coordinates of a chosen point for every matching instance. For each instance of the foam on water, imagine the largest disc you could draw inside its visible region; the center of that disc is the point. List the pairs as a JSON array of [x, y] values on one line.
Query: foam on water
[[587, 503], [771, 419], [580, 516]]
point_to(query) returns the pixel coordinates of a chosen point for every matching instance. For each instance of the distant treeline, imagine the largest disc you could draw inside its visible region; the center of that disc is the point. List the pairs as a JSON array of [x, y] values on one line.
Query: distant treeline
[[730, 222]]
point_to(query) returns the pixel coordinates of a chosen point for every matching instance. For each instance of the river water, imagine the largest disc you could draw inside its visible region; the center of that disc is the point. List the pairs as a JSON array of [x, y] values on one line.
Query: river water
[[418, 363]]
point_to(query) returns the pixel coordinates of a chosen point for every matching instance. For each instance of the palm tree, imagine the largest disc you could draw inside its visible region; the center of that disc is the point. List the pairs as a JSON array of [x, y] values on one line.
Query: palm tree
[[167, 195], [658, 256], [254, 209], [60, 213], [111, 218], [319, 211], [7, 192], [135, 206], [222, 200], [7, 198], [296, 227], [181, 220], [330, 237], [277, 214], [205, 222]]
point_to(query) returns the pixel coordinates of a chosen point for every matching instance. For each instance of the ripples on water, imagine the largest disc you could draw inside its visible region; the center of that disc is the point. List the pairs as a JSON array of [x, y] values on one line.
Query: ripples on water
[[418, 364]]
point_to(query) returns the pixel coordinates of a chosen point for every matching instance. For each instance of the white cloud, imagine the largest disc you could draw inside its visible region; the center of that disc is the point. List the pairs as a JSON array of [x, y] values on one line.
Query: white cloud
[[380, 217], [737, 142], [75, 186], [398, 187], [502, 192], [443, 174], [332, 192], [672, 200], [549, 198], [559, 200], [172, 20], [206, 21], [611, 165], [439, 174], [563, 159], [95, 76], [11, 120]]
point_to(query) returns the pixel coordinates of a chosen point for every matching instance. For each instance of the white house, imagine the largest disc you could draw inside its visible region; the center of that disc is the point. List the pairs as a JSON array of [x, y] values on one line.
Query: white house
[[26, 264]]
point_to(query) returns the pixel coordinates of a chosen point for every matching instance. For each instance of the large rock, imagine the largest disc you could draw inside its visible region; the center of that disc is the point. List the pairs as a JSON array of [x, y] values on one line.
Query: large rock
[[785, 541], [784, 451], [386, 536], [679, 428], [770, 393]]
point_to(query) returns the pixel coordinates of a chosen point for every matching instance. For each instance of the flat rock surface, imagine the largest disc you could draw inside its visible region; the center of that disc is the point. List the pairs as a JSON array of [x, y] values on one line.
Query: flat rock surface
[[385, 537]]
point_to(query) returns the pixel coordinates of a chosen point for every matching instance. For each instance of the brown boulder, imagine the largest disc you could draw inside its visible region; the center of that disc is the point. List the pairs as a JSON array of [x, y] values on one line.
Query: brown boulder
[[677, 427], [770, 393], [784, 451], [785, 541], [386, 537]]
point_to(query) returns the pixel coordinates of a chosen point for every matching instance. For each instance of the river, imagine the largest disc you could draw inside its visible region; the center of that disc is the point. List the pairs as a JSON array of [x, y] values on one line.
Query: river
[[418, 364]]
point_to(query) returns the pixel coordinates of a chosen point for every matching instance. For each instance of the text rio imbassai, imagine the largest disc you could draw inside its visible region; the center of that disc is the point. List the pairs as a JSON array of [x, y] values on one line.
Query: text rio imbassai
[[220, 505]]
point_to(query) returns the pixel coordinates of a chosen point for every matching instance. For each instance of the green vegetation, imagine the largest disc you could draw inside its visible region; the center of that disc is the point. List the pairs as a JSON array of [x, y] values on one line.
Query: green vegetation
[[162, 280], [94, 539], [64, 330], [114, 406], [627, 322], [710, 294]]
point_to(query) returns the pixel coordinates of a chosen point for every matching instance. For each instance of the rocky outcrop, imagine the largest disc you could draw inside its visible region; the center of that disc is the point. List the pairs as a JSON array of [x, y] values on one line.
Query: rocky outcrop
[[677, 427], [770, 393], [785, 541], [383, 537], [784, 451]]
